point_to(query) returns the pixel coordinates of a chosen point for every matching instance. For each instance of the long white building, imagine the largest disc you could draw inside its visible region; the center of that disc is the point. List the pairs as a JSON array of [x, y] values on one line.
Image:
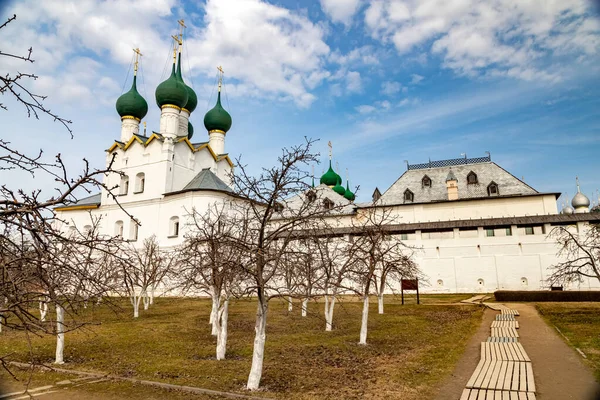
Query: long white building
[[478, 228]]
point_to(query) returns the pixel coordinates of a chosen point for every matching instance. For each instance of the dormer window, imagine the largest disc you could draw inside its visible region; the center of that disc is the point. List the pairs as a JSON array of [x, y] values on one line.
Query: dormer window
[[278, 207], [472, 178], [140, 181], [327, 204], [409, 196], [311, 196], [492, 189], [124, 186], [426, 181]]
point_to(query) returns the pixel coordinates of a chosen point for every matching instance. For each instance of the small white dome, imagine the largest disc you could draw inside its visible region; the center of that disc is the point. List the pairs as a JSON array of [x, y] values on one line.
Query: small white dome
[[580, 200], [567, 210]]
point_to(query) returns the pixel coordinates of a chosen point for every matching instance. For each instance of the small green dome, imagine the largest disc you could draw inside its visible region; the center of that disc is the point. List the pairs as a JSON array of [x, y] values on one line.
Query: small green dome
[[339, 189], [172, 91], [190, 130], [217, 119], [192, 101], [348, 195], [132, 103], [330, 178]]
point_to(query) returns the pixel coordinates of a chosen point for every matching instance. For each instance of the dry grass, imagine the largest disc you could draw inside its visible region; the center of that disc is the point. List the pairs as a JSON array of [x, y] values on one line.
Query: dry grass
[[411, 348], [580, 323]]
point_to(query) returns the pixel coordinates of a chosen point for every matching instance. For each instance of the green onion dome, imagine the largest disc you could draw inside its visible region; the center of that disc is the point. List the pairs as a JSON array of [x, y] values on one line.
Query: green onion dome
[[217, 119], [190, 130], [172, 91], [192, 101], [339, 189], [348, 195], [330, 178], [132, 104]]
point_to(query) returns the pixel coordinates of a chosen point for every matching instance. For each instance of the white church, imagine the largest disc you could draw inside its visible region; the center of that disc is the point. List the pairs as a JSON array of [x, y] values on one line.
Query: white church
[[478, 228]]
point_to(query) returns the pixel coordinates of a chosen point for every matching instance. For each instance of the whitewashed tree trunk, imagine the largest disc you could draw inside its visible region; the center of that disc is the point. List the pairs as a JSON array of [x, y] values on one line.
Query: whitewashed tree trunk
[[60, 334], [258, 353], [222, 333], [135, 301], [304, 307], [214, 313], [146, 300], [290, 304], [152, 295], [329, 305], [380, 303], [43, 311], [365, 319]]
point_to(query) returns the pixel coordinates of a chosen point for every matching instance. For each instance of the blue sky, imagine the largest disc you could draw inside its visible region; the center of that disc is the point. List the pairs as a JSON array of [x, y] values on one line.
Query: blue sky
[[385, 81]]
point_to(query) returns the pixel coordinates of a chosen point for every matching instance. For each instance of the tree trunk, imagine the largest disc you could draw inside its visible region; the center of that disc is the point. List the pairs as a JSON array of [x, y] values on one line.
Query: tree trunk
[[380, 302], [43, 311], [329, 305], [304, 306], [152, 295], [214, 314], [290, 304], [135, 301], [222, 333], [146, 300], [60, 334], [365, 319], [259, 346]]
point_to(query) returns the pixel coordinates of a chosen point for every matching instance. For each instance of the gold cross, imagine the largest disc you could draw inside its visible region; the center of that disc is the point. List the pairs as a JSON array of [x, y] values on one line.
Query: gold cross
[[137, 56], [221, 72], [330, 148]]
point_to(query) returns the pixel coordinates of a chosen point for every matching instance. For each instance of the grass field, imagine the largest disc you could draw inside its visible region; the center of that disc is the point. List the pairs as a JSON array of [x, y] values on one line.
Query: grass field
[[580, 323], [411, 348]]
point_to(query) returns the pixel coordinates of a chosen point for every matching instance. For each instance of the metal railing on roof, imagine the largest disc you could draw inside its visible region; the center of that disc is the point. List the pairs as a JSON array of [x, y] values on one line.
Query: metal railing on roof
[[450, 163]]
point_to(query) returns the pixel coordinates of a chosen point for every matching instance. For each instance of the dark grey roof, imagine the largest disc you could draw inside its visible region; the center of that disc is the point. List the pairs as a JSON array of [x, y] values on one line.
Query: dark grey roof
[[206, 180], [451, 176], [93, 200], [508, 185], [450, 163]]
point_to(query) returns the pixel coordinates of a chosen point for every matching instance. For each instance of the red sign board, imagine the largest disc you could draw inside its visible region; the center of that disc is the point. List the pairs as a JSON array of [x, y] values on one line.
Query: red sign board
[[410, 284]]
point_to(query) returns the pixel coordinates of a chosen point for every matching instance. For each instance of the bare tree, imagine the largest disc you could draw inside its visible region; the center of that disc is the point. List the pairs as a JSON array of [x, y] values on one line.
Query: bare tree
[[210, 261], [272, 223], [376, 253], [581, 252], [143, 270]]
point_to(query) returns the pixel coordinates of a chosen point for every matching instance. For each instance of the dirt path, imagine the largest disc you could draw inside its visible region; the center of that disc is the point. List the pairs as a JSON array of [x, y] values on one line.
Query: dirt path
[[559, 372]]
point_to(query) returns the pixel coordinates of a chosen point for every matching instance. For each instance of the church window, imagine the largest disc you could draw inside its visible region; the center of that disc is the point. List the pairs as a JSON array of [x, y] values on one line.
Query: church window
[[72, 231], [140, 181], [311, 196], [508, 231], [327, 204], [124, 186], [529, 230], [119, 229], [87, 230], [524, 281], [278, 207], [426, 181], [493, 189], [404, 236], [480, 282], [490, 233], [472, 178], [440, 282], [174, 227], [133, 230], [408, 196]]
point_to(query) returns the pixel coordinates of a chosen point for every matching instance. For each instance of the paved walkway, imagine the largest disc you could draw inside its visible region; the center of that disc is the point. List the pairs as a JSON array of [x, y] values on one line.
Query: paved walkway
[[558, 370]]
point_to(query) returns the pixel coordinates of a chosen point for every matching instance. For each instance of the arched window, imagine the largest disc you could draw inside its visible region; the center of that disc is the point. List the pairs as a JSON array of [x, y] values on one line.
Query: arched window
[[327, 204], [311, 196], [133, 230], [472, 178], [524, 281], [492, 189], [72, 231], [140, 181], [87, 230], [426, 181], [119, 229], [174, 227], [440, 282], [124, 186], [408, 196], [480, 282]]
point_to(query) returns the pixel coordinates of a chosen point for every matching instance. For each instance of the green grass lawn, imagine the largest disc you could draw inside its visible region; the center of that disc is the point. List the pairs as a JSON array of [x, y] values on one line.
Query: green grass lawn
[[580, 323], [411, 348]]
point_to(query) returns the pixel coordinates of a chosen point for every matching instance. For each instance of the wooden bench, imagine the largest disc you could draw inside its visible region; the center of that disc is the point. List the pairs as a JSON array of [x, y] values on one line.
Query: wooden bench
[[485, 394], [509, 311], [494, 339], [504, 332], [505, 324], [502, 375]]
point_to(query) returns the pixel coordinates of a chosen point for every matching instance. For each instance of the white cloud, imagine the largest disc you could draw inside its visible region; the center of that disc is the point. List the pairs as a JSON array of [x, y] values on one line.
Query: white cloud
[[390, 88], [365, 109], [416, 78], [354, 82], [266, 46], [365, 55], [493, 37], [340, 10]]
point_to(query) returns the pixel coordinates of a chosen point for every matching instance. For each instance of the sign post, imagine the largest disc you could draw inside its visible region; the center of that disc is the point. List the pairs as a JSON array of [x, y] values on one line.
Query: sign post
[[409, 284]]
